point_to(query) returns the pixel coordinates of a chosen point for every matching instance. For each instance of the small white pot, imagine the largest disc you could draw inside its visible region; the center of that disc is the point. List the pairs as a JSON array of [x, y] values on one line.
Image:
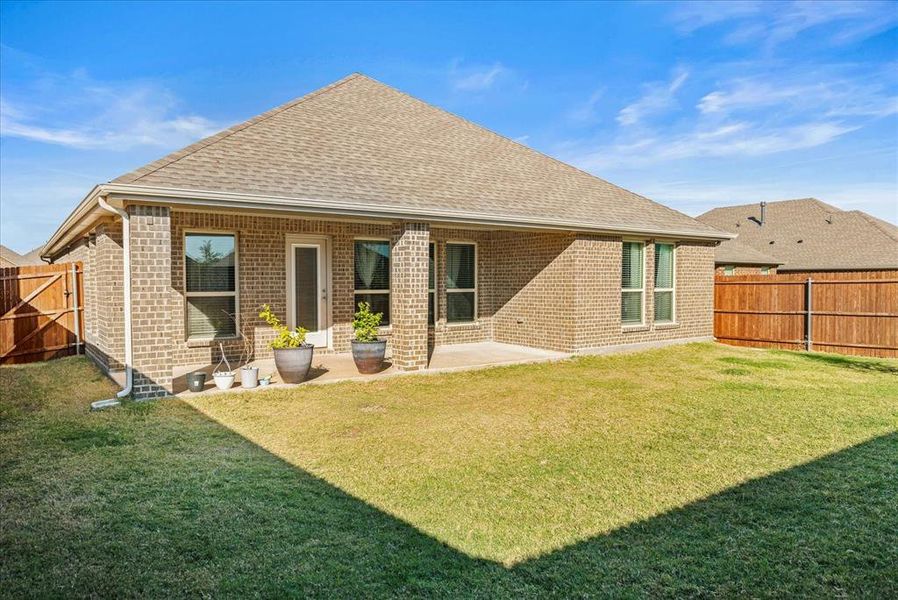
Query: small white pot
[[249, 377], [223, 380]]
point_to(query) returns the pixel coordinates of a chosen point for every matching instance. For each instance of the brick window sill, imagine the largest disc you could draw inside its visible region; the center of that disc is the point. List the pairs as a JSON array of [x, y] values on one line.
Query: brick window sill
[[209, 342], [634, 328], [663, 326], [462, 326]]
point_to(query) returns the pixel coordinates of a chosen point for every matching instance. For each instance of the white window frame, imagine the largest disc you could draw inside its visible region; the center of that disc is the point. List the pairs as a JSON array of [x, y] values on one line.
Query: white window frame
[[673, 282], [235, 293], [465, 290], [355, 292], [433, 290], [641, 322]]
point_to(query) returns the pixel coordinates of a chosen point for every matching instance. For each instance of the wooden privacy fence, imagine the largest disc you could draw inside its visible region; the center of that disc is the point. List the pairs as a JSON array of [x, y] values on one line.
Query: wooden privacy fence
[[42, 312], [832, 312]]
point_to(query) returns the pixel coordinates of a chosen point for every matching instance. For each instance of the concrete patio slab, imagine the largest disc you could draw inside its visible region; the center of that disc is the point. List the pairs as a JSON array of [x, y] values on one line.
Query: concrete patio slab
[[334, 368]]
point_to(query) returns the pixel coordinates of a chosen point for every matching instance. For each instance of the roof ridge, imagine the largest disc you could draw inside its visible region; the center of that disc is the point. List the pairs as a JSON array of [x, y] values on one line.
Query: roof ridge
[[558, 161], [171, 158], [882, 225]]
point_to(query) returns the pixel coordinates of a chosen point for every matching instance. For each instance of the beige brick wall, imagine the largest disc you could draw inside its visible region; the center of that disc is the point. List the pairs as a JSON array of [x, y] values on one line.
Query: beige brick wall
[[409, 263], [101, 254], [558, 291], [151, 322]]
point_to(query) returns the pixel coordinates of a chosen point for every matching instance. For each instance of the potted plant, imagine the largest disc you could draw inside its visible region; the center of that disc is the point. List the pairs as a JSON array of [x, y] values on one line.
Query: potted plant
[[249, 375], [292, 355], [223, 379], [367, 350]]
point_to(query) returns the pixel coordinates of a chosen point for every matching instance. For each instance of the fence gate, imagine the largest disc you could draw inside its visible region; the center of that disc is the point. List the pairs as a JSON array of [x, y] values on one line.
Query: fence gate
[[43, 312], [832, 312]]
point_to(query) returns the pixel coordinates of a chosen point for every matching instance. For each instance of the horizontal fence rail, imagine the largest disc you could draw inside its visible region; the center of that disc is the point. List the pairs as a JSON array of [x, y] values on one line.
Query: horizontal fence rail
[[848, 313], [41, 312]]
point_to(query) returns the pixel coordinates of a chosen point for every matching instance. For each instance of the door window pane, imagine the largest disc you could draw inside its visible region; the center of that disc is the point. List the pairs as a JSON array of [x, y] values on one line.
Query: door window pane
[[305, 277]]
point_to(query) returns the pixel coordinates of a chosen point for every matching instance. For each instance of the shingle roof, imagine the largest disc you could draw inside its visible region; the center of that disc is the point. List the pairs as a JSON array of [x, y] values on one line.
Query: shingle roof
[[360, 140], [734, 252], [808, 235], [9, 258]]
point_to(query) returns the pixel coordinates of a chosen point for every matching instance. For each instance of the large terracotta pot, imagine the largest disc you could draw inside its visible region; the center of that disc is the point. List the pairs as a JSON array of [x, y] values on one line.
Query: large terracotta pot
[[369, 356], [293, 364]]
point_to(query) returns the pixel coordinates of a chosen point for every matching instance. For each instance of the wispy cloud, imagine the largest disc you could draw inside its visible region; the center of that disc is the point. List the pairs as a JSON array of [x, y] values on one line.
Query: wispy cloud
[[78, 112], [475, 78], [834, 97], [586, 112], [656, 98], [737, 139], [773, 23]]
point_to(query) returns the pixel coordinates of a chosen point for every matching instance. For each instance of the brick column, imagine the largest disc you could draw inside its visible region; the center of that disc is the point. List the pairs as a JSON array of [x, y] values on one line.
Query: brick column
[[408, 288], [151, 324]]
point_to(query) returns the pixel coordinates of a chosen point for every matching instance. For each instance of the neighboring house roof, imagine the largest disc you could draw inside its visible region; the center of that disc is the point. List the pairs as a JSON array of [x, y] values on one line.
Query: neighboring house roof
[[734, 252], [810, 235], [11, 258], [364, 148]]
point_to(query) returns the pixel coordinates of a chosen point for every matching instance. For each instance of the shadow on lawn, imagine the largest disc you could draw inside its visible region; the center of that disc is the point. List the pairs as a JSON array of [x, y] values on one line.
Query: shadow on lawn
[[855, 363], [819, 528]]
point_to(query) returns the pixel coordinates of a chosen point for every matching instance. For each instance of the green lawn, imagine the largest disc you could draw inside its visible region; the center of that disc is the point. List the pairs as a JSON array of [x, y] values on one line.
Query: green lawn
[[699, 470]]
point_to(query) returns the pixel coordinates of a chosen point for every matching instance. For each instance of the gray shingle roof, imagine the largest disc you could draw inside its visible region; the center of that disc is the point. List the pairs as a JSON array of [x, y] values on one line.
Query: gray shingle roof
[[362, 141], [808, 235], [734, 252]]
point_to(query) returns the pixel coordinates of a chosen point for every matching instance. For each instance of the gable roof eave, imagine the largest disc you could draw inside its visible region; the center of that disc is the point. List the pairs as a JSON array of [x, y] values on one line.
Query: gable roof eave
[[120, 194]]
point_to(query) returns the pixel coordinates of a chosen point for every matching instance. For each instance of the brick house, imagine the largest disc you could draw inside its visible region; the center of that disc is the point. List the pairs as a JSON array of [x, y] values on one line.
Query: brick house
[[803, 237], [360, 192]]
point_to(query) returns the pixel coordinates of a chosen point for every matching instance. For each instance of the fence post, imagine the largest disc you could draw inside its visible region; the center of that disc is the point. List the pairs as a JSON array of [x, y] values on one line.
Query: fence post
[[808, 340], [76, 308]]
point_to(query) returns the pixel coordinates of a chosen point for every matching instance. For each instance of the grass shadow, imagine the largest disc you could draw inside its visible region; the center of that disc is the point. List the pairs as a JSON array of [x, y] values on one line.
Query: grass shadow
[[855, 363]]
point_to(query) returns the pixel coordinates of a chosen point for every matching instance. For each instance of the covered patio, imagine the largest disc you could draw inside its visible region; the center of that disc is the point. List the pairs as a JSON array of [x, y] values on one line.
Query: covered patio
[[337, 367]]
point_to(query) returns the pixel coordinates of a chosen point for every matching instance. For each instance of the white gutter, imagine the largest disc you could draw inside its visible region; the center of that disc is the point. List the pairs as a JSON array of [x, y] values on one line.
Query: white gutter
[[126, 277], [340, 208]]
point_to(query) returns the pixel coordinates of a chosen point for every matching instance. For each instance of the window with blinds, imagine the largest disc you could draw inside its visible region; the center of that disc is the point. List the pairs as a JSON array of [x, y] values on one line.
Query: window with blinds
[[210, 285], [431, 285], [632, 283], [372, 276], [664, 283], [461, 282]]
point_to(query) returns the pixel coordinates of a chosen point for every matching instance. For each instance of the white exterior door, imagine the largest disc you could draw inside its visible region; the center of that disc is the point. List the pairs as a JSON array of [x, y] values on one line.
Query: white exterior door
[[308, 287]]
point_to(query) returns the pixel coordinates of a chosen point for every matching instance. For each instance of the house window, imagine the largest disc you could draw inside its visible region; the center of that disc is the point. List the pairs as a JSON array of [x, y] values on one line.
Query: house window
[[765, 270], [461, 282], [372, 276], [632, 283], [431, 285], [664, 283], [729, 270], [210, 284]]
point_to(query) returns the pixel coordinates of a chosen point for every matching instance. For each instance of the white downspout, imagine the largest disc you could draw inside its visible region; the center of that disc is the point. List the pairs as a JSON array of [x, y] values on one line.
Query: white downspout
[[126, 278]]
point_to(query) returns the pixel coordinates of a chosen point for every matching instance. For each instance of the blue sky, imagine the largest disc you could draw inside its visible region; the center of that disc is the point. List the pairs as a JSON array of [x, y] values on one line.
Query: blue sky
[[692, 104]]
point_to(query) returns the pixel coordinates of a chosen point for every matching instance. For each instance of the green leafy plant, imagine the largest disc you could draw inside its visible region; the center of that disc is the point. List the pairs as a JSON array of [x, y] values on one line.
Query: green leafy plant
[[365, 323], [284, 337]]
